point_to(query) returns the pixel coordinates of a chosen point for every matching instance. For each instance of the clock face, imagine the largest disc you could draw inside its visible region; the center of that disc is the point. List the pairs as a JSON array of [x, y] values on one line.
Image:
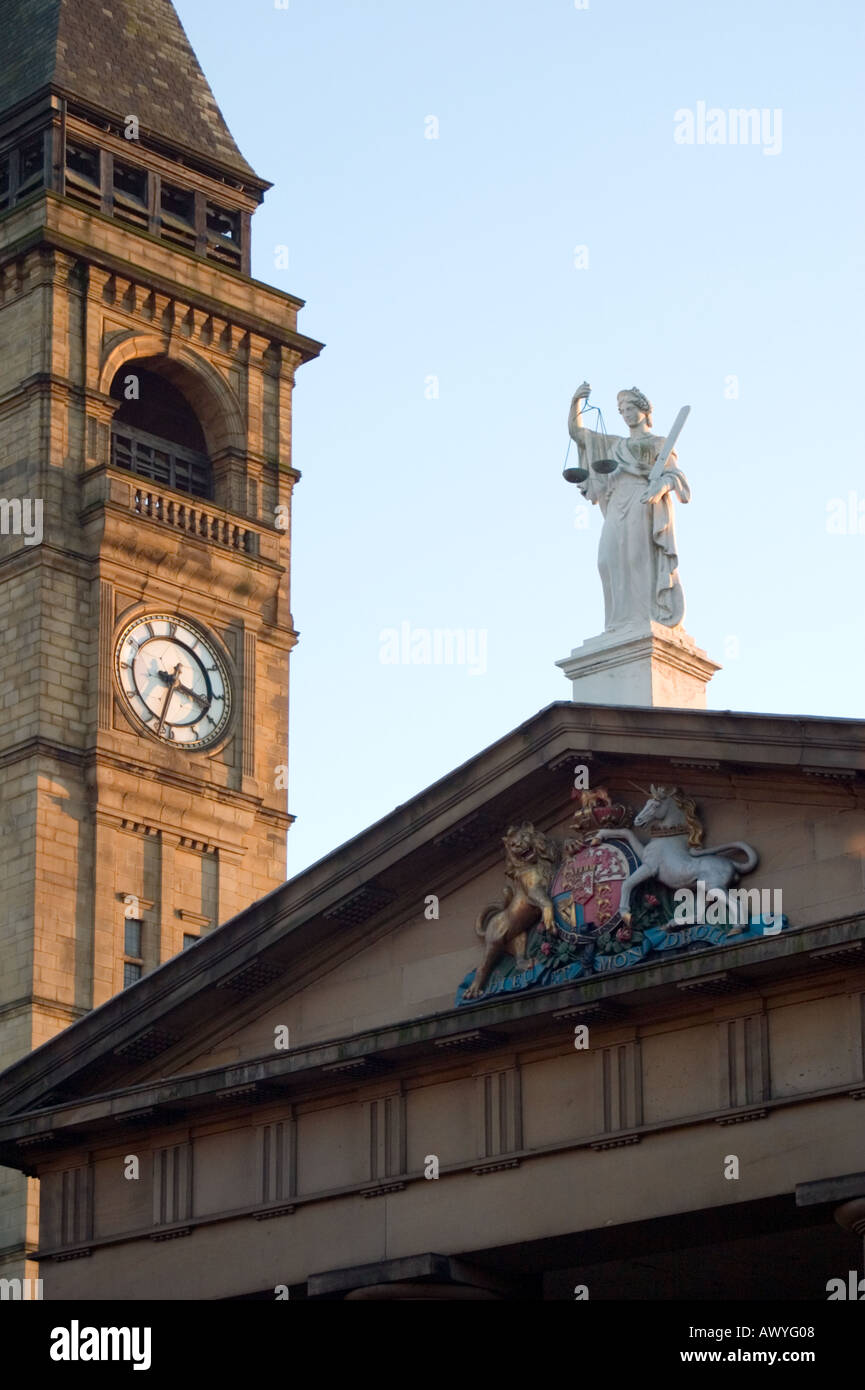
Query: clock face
[[174, 681]]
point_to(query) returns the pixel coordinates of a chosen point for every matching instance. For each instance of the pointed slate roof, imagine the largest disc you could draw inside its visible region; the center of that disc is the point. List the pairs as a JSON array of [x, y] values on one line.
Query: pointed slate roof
[[121, 57]]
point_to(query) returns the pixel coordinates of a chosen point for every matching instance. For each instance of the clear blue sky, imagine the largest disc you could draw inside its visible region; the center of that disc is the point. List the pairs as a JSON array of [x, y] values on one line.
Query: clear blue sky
[[454, 258]]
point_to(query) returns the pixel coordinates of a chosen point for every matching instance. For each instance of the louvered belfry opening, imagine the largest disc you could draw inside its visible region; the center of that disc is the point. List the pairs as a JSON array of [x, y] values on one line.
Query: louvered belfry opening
[[155, 433], [70, 71]]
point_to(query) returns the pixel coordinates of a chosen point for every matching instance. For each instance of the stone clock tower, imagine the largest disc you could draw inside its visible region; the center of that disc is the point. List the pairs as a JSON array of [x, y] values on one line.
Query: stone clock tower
[[145, 499]]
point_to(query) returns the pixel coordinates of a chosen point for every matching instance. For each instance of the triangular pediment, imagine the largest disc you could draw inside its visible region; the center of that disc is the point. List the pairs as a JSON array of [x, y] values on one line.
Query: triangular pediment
[[347, 962]]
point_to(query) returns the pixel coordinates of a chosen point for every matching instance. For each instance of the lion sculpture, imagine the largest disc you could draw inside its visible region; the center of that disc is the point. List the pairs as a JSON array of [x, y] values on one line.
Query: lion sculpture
[[530, 859]]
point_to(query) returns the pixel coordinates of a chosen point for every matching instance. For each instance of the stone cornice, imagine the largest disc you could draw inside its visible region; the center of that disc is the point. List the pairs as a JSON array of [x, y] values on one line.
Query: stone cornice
[[414, 1046], [42, 748], [148, 772], [172, 283], [36, 1001], [51, 556], [97, 758]]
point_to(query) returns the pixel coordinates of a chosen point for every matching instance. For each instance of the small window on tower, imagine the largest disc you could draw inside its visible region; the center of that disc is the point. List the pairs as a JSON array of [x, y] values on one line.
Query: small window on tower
[[223, 235], [130, 193], [82, 173], [83, 161], [222, 223], [132, 969], [132, 942], [178, 203], [188, 940], [130, 181], [178, 215], [31, 166], [4, 184]]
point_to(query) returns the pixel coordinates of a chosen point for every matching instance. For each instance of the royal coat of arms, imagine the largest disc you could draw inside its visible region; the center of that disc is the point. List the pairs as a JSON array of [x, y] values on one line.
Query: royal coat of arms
[[604, 899]]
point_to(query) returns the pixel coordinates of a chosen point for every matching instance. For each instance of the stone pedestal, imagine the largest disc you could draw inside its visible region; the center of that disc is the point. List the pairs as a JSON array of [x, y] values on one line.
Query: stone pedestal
[[651, 665]]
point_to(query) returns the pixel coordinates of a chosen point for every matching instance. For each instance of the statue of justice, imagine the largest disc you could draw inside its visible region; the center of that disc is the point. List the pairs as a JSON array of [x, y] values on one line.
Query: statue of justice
[[633, 480]]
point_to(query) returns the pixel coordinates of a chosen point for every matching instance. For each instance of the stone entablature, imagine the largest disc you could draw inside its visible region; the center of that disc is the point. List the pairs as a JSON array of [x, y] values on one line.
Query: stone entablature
[[641, 1082]]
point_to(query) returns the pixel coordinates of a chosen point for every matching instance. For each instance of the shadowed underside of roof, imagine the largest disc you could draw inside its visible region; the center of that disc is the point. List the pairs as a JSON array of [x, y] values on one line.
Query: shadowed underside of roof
[[126, 57]]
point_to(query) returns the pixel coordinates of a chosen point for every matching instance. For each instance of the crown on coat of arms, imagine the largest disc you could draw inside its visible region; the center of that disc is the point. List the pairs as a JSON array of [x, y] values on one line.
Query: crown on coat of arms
[[597, 811]]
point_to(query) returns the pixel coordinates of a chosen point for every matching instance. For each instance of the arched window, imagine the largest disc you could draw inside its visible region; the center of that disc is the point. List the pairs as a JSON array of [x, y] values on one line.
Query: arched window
[[155, 433]]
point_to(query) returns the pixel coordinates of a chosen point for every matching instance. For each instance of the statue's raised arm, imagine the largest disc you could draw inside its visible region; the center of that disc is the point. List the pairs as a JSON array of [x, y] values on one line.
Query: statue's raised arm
[[575, 417]]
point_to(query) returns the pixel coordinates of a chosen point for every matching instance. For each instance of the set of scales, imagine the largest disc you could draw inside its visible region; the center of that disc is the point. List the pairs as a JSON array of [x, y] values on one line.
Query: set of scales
[[609, 465]]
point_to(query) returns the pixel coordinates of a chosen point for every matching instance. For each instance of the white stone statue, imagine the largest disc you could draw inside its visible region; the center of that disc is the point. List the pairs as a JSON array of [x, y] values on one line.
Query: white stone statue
[[637, 556]]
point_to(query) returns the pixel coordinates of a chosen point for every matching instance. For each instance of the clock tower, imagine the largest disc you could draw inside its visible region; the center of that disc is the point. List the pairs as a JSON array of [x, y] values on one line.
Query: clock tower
[[145, 500]]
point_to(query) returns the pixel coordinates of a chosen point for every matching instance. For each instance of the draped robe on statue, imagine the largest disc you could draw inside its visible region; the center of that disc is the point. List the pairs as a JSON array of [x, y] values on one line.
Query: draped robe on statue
[[637, 556]]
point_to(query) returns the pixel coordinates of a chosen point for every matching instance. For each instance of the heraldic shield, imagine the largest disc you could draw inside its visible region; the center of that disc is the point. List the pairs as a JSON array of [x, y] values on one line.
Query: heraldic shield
[[588, 887]]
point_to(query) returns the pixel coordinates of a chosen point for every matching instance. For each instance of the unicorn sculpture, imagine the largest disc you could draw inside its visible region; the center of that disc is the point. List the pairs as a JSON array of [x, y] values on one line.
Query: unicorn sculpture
[[674, 854]]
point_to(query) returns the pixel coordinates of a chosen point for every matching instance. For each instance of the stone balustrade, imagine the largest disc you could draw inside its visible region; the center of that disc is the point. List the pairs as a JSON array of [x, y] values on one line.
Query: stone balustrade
[[193, 517]]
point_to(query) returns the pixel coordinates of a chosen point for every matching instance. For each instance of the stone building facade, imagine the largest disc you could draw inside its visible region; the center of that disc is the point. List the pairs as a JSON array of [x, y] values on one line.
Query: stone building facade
[[307, 1102], [145, 457], [312, 1115]]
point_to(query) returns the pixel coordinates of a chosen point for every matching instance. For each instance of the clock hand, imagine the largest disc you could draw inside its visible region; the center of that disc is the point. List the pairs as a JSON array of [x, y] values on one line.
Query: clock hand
[[172, 682], [199, 699]]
